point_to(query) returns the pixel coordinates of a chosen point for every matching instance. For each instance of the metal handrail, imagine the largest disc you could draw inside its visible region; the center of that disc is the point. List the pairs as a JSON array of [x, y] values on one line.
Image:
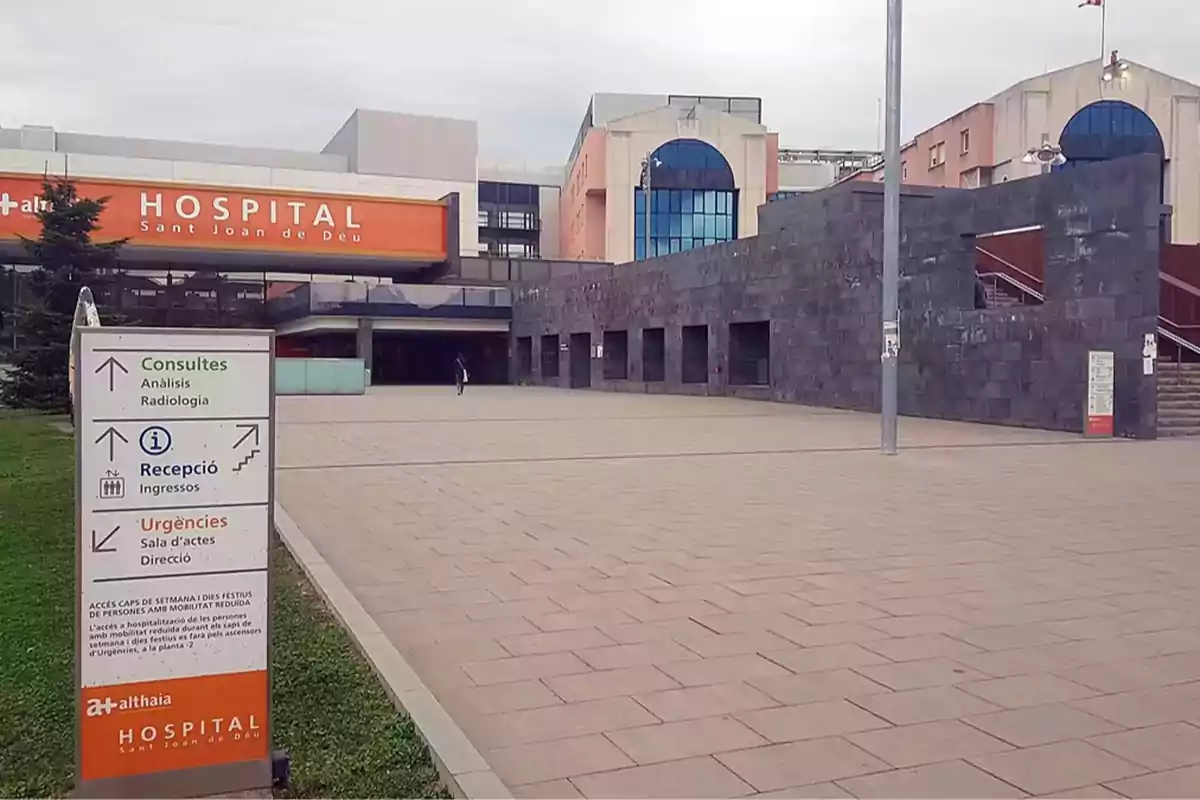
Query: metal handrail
[[1182, 285], [1008, 264], [1162, 331], [1016, 284], [1178, 340]]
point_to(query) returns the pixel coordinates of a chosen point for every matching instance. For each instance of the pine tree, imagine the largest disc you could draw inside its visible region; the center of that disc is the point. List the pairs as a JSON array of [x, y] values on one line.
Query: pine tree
[[66, 259]]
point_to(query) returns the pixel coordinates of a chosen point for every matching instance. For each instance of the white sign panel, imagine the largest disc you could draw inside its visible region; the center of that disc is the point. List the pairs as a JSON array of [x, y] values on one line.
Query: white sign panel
[[1101, 379], [175, 456]]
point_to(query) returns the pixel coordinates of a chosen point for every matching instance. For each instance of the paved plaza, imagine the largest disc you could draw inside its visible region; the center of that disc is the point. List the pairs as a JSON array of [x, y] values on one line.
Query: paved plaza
[[659, 596]]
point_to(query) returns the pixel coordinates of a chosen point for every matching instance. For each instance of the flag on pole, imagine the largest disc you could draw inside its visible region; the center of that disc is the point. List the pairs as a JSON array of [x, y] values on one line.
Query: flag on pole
[[1091, 3]]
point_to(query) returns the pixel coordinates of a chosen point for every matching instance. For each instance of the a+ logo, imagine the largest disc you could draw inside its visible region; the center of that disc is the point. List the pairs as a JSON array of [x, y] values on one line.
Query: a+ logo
[[98, 708], [7, 204]]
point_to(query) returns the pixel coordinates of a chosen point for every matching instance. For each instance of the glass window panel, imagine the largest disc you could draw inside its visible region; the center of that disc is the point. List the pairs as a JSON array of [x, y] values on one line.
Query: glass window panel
[[674, 201], [661, 224], [710, 202], [709, 242], [675, 248], [639, 225], [639, 201], [639, 249], [676, 224], [685, 200], [698, 204]]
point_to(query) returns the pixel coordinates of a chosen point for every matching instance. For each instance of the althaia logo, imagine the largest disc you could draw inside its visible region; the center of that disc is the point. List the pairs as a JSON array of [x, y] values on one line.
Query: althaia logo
[[137, 702], [28, 205], [234, 727]]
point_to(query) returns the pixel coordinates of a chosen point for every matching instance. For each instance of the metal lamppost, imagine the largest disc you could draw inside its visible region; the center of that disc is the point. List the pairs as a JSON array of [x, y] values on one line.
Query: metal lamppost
[[890, 372], [647, 162]]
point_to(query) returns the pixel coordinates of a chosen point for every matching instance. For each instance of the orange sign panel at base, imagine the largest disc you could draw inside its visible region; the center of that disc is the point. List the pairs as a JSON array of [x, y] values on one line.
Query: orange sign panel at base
[[154, 726], [225, 218]]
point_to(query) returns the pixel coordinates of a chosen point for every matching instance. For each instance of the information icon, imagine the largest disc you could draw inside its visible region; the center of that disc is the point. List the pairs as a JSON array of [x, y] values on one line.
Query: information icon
[[155, 440]]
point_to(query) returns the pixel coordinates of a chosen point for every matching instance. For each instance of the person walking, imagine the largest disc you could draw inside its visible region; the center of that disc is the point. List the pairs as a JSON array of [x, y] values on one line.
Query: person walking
[[460, 373]]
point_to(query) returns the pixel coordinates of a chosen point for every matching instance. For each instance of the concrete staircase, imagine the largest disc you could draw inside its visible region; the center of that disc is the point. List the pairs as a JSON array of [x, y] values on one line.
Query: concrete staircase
[[997, 297], [1178, 399]]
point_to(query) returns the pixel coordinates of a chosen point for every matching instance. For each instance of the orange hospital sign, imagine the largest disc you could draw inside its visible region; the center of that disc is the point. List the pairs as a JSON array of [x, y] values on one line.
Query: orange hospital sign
[[222, 218]]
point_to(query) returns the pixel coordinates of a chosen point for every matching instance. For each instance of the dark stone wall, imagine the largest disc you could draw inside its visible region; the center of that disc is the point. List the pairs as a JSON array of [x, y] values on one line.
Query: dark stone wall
[[814, 274]]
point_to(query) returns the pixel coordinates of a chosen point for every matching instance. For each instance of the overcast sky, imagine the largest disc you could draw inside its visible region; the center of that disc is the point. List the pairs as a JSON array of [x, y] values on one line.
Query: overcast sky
[[286, 73]]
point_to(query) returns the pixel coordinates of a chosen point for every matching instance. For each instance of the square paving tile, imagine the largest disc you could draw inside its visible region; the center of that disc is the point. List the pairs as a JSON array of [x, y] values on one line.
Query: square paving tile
[[925, 705], [1020, 691], [811, 721], [671, 741], [920, 674], [609, 683], [693, 777], [1176, 783], [951, 779], [1161, 747], [1028, 727], [797, 763], [1057, 767], [562, 758], [826, 657], [928, 742], [704, 701]]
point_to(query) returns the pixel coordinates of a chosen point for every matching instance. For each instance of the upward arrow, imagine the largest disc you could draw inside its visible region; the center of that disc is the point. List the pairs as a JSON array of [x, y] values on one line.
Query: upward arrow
[[251, 429], [112, 365], [112, 434]]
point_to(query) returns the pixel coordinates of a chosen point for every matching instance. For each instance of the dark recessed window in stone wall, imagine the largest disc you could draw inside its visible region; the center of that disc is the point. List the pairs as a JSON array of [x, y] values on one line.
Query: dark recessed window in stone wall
[[654, 355], [550, 357], [695, 354], [524, 358], [750, 353], [616, 356], [581, 360]]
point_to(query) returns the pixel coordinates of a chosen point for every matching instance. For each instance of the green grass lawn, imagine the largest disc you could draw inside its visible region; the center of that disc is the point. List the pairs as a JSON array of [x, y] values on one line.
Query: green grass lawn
[[330, 713]]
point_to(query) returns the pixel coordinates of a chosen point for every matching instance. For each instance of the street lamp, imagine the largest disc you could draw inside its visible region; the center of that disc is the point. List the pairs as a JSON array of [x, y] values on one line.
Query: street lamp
[[1115, 68], [1046, 155], [644, 180], [890, 357]]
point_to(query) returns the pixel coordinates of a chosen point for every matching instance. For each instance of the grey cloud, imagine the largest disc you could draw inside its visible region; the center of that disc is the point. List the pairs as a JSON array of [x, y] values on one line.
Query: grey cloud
[[286, 73]]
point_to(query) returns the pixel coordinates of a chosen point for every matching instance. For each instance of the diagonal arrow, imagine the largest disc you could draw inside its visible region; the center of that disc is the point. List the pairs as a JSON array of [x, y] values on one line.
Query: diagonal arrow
[[112, 365], [98, 547], [112, 434], [251, 429]]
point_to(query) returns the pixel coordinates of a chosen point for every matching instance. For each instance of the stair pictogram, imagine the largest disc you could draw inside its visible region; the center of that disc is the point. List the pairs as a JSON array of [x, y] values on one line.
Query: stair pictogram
[[249, 457]]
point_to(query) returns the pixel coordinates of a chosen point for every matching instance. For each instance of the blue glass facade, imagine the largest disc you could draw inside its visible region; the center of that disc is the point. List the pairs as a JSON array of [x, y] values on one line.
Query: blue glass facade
[[1108, 129], [693, 201]]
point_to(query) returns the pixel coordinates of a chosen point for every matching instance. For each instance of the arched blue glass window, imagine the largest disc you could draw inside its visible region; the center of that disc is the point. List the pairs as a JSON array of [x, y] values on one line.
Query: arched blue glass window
[[693, 201], [1108, 129]]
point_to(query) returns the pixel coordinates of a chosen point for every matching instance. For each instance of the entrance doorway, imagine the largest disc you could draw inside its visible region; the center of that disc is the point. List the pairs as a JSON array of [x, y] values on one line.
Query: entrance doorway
[[581, 360], [524, 358], [426, 358]]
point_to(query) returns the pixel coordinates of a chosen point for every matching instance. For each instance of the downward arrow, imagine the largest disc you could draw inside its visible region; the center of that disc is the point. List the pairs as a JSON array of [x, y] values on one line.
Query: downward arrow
[[98, 547]]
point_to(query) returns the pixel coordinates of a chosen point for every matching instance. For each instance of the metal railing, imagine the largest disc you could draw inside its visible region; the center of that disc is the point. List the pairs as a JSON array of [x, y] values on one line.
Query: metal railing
[[1172, 331], [357, 298]]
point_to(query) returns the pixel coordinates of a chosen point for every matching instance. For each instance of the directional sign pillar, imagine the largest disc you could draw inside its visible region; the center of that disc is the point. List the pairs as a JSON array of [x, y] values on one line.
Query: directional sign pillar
[[174, 497]]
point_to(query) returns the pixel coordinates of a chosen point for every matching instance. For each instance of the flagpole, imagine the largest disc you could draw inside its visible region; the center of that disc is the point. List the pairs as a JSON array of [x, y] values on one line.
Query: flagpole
[[1103, 31]]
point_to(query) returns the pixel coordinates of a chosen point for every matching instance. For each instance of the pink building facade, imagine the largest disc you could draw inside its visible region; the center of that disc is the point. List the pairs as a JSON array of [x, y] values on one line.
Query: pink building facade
[[710, 163]]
